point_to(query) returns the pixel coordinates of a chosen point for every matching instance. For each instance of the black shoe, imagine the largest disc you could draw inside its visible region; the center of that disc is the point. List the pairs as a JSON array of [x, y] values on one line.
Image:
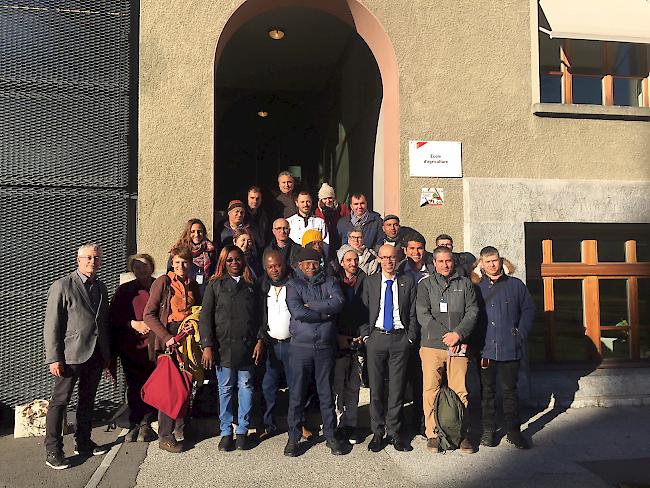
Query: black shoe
[[268, 432], [56, 460], [291, 449], [146, 433], [336, 446], [343, 434], [226, 443], [241, 443], [377, 443], [397, 443], [89, 448], [489, 439], [132, 435], [515, 438], [356, 436]]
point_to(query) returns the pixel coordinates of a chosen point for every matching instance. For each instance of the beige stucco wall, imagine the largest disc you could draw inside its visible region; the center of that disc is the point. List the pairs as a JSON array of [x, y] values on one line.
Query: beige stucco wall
[[465, 75]]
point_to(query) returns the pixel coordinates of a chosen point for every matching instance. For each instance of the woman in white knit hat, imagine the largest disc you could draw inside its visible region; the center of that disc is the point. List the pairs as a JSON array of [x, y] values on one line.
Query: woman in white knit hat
[[331, 211]]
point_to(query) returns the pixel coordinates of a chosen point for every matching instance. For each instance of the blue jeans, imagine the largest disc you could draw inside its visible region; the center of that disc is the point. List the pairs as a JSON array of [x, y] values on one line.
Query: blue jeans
[[277, 360], [227, 377]]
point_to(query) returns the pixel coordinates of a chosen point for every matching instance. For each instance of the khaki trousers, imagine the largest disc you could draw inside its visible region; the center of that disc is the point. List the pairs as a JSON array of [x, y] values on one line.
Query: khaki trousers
[[436, 363]]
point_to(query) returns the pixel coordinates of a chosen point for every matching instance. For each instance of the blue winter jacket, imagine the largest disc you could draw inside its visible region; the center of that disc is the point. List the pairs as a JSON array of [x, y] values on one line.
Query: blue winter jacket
[[313, 305], [505, 318], [372, 229]]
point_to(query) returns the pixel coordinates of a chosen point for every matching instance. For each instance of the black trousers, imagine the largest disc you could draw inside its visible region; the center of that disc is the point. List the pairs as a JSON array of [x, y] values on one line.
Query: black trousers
[[388, 356], [508, 375], [414, 381], [136, 374], [307, 364], [88, 374]]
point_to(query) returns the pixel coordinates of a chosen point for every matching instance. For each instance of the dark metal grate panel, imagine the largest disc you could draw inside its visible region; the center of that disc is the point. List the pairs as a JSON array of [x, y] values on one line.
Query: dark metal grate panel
[[53, 222], [64, 88], [66, 94]]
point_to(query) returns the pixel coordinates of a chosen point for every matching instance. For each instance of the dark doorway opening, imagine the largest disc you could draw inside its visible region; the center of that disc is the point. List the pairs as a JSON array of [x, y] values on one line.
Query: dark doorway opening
[[309, 103]]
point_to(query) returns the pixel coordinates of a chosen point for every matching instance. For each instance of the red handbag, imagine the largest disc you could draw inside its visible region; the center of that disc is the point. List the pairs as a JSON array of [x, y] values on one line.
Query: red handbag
[[169, 386]]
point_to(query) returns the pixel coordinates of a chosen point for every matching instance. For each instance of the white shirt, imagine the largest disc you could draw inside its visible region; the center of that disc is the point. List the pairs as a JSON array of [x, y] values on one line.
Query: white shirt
[[397, 322], [278, 312], [298, 228]]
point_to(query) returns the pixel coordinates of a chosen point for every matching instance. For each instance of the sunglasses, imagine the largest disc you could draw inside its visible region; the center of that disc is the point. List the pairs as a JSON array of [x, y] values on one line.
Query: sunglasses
[[233, 260]]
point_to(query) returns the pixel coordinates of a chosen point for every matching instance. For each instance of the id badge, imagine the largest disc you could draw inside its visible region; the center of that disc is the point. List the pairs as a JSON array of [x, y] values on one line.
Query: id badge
[[199, 278], [443, 307]]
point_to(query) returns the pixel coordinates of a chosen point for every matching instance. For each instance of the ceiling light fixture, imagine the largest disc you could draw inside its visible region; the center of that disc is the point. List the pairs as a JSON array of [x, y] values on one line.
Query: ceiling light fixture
[[263, 113], [276, 33]]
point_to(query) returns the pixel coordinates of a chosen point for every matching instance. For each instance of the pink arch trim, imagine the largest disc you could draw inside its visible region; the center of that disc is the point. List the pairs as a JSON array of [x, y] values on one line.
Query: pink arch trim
[[370, 29]]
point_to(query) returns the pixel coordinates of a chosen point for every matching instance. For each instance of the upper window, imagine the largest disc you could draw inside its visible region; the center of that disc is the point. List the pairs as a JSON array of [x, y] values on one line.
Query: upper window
[[575, 67], [593, 72]]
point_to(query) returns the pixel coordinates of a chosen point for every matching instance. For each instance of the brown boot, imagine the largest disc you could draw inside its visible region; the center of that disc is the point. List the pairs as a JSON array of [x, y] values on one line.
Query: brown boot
[[433, 445], [170, 444], [466, 447]]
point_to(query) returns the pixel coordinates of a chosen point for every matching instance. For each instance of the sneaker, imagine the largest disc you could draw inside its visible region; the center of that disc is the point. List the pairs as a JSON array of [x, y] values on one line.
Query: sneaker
[[241, 443], [466, 447], [335, 446], [433, 445], [489, 439], [291, 449], [226, 443], [132, 435], [170, 444], [515, 438], [89, 448], [56, 460], [146, 433]]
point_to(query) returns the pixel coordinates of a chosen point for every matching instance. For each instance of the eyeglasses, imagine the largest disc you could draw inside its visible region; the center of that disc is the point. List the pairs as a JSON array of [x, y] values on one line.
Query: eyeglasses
[[233, 260], [356, 238], [281, 228]]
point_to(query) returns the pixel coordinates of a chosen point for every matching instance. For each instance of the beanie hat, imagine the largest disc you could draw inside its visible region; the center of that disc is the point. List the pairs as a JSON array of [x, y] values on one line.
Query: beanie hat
[[311, 235], [345, 248], [391, 217], [233, 204], [308, 255], [326, 191]]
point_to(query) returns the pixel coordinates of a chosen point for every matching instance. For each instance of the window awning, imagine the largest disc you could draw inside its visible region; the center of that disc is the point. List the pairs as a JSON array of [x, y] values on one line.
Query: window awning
[[599, 20]]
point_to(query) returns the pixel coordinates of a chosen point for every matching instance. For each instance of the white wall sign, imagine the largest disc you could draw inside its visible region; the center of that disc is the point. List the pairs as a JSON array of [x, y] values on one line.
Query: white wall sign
[[435, 158]]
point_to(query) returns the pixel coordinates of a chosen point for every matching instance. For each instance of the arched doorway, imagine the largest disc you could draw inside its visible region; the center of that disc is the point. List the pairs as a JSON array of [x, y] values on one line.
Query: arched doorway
[[328, 101]]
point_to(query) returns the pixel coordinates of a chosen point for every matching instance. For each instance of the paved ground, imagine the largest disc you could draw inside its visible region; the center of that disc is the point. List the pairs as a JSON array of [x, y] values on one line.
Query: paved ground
[[588, 447]]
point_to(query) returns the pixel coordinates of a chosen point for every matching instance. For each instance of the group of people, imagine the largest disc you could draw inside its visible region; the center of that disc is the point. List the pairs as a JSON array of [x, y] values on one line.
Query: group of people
[[312, 294]]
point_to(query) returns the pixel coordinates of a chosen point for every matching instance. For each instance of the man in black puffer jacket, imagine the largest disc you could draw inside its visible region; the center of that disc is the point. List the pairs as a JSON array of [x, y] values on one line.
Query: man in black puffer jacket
[[314, 300]]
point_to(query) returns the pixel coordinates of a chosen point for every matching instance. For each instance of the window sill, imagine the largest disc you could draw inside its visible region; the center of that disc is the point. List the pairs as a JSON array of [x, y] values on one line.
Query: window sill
[[560, 110]]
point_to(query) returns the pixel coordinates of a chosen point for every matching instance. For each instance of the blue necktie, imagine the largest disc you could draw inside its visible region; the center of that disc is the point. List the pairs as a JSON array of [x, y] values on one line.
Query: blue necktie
[[388, 306]]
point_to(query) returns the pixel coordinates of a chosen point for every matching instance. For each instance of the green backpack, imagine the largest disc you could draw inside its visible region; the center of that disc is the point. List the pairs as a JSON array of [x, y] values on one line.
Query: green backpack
[[448, 412]]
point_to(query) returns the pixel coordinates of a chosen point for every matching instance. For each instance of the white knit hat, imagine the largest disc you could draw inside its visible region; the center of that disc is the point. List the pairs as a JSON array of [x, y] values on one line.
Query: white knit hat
[[326, 191]]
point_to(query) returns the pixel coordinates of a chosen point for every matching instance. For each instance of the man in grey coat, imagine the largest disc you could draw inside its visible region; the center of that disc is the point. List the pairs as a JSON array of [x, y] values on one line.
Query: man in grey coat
[[447, 311], [77, 348]]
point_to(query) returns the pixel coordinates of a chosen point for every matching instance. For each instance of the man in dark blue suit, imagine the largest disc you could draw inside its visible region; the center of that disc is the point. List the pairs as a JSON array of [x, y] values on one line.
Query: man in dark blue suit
[[389, 334]]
